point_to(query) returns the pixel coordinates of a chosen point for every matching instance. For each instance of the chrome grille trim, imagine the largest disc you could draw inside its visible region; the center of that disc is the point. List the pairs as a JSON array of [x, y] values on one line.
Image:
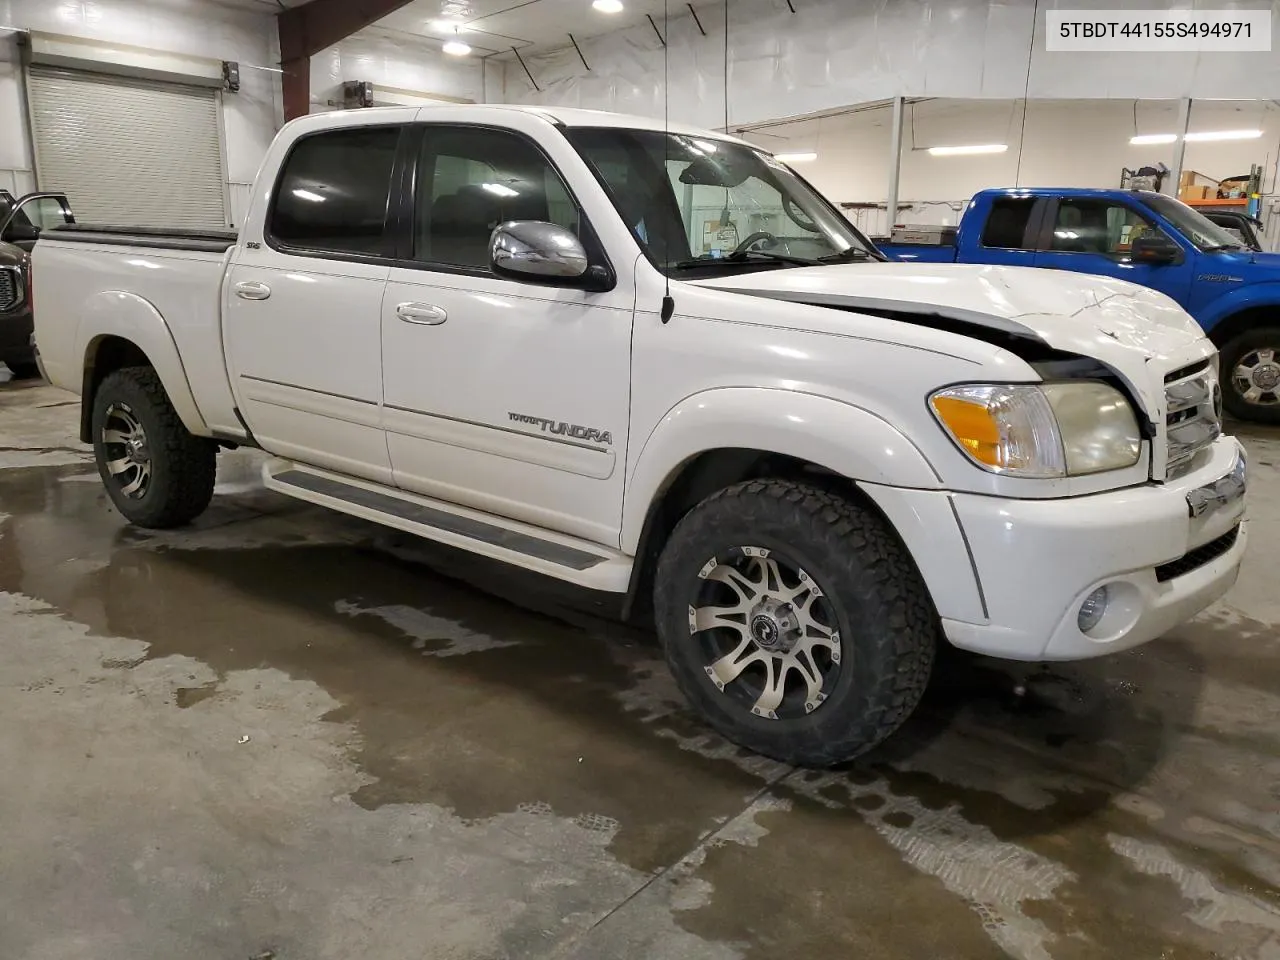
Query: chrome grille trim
[[11, 292], [1193, 420]]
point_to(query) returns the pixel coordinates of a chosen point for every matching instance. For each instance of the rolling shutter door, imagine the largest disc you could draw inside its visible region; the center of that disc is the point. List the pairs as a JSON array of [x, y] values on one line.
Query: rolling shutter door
[[133, 152]]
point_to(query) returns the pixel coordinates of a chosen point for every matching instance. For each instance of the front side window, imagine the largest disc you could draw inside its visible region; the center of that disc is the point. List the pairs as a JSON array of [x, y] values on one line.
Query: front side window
[[699, 204], [1085, 225], [470, 179], [334, 190]]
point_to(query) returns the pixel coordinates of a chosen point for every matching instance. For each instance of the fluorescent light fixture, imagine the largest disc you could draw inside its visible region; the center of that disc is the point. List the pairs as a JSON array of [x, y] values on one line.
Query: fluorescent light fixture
[[1146, 138], [500, 190], [968, 149], [608, 6], [13, 29], [1224, 135], [308, 195], [456, 48], [795, 157]]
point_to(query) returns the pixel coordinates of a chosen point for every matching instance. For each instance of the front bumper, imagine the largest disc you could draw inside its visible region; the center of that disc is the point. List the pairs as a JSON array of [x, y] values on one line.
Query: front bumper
[[15, 337], [1165, 552]]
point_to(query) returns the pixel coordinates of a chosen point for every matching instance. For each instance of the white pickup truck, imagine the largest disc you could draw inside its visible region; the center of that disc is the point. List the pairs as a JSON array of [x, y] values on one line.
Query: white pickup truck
[[655, 362]]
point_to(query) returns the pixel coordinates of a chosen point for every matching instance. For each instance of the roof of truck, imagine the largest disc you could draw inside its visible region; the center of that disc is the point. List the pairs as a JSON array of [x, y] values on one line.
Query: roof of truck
[[564, 116], [1067, 191]]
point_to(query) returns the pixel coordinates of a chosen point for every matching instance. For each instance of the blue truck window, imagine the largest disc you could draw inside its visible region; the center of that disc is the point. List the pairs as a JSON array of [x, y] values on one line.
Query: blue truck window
[[1007, 225]]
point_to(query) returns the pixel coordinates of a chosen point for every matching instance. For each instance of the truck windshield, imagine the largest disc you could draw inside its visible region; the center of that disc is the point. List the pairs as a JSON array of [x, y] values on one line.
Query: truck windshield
[[700, 205], [1197, 228]]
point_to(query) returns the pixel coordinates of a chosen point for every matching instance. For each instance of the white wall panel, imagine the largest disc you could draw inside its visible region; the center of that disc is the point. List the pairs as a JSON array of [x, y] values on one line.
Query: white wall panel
[[392, 62], [836, 52]]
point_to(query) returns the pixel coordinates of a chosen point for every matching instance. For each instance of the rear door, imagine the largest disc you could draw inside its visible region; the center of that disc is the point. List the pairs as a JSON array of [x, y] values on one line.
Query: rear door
[[1008, 233], [303, 298], [1094, 235]]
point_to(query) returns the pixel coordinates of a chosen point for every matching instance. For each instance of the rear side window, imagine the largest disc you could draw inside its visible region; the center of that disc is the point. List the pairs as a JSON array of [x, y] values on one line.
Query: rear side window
[[333, 192], [1007, 225]]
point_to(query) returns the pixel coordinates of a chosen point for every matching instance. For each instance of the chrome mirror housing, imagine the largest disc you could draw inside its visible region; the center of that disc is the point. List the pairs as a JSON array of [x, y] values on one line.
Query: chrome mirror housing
[[537, 252]]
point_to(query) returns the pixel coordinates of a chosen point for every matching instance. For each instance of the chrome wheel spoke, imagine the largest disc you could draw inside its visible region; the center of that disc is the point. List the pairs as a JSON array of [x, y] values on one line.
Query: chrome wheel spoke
[[772, 583], [727, 575], [134, 485], [729, 667], [116, 436], [1253, 394], [802, 662], [118, 466], [708, 618], [1266, 355], [774, 688]]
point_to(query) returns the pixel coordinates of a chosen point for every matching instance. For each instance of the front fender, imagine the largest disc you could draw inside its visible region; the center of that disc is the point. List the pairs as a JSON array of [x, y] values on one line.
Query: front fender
[[1248, 297], [845, 439], [115, 313]]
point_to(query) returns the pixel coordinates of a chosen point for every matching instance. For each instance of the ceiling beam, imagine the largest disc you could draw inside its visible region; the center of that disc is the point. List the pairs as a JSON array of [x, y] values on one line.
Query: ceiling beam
[[310, 28]]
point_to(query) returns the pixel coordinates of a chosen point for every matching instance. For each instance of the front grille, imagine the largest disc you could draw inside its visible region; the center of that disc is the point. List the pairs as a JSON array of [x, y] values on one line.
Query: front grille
[[1193, 419], [10, 289], [1198, 557]]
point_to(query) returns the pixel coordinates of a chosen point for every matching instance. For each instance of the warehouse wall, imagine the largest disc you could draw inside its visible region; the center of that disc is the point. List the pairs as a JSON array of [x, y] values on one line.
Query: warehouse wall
[[402, 63], [251, 116], [835, 52]]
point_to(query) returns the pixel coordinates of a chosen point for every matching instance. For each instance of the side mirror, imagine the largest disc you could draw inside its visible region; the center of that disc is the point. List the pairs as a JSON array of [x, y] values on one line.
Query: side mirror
[[1155, 250], [535, 252]]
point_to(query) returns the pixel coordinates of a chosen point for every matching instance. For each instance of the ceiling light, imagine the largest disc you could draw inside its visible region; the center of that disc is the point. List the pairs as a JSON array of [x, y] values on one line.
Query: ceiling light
[[456, 48], [1224, 135], [500, 190], [968, 149], [308, 195], [795, 157], [607, 6], [1153, 138]]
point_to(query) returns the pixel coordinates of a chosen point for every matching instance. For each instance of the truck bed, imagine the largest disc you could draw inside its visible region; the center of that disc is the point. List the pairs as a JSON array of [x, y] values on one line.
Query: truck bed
[[168, 238]]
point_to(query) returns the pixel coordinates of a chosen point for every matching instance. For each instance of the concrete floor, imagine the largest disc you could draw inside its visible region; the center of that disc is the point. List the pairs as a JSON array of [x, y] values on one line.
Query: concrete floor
[[286, 734]]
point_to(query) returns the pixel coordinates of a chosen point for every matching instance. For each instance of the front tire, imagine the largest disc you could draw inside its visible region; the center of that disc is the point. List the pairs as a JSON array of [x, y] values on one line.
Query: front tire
[[1251, 375], [795, 621], [156, 472]]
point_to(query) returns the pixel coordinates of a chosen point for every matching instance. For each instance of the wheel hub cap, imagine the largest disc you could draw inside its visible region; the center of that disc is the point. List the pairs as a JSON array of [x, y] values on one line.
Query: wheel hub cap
[[1256, 377], [768, 633], [128, 457], [1266, 376]]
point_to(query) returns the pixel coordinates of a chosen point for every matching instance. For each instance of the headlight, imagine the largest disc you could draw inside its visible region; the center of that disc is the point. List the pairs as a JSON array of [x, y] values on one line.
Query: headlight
[[1041, 430]]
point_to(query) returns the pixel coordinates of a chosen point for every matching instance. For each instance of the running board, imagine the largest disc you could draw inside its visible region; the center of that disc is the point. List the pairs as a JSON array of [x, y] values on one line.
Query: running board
[[520, 544]]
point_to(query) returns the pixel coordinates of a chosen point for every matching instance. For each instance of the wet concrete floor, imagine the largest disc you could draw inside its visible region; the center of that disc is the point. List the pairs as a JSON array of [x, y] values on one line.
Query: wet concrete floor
[[287, 734]]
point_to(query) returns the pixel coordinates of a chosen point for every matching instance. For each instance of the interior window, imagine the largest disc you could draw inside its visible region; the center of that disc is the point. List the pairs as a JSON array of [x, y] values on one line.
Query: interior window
[[470, 180], [334, 189], [1007, 225], [1096, 226]]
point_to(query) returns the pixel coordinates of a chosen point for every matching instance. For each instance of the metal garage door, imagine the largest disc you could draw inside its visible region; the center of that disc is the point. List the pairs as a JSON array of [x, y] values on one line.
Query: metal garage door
[[129, 151]]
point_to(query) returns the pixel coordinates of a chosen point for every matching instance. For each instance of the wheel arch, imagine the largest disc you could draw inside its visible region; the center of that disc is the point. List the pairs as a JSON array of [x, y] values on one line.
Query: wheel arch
[[1230, 326], [120, 330], [780, 434]]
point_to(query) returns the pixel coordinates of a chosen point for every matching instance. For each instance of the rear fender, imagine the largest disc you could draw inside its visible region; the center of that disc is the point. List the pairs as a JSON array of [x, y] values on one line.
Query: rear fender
[[114, 313], [840, 437]]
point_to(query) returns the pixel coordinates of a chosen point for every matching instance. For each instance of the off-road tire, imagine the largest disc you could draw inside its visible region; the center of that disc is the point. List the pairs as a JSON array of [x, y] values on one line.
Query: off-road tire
[[183, 466], [888, 625], [1231, 354], [23, 369]]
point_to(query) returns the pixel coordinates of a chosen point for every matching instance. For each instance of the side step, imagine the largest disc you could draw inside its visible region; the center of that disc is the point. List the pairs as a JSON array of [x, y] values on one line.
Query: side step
[[520, 544]]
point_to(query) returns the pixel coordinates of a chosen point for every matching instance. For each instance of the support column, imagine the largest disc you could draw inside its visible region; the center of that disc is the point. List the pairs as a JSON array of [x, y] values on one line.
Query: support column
[[308, 29], [1180, 148], [895, 162]]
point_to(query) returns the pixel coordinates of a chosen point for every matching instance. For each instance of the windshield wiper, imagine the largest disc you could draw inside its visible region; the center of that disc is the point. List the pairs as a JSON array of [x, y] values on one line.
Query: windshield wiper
[[747, 256], [848, 255]]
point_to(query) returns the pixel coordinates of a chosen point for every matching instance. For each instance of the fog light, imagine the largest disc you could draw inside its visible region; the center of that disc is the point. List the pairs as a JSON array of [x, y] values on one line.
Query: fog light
[[1091, 611]]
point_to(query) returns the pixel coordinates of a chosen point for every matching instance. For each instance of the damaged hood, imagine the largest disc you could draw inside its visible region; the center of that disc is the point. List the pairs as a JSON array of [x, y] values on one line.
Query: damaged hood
[[1094, 316]]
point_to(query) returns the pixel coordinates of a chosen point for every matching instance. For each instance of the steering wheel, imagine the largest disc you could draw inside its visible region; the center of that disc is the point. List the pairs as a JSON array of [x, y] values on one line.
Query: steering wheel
[[755, 238], [798, 216]]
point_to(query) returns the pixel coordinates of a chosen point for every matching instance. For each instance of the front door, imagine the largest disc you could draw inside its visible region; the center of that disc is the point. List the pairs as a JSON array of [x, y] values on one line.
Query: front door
[[32, 214], [303, 302], [504, 396], [1092, 235]]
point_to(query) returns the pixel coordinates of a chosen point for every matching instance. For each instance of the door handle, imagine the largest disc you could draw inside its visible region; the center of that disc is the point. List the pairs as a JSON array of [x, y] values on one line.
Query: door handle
[[426, 313], [252, 290]]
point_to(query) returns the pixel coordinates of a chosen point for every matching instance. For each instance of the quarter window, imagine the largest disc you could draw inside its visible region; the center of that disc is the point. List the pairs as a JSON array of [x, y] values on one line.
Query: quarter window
[[333, 193], [472, 179], [1007, 224]]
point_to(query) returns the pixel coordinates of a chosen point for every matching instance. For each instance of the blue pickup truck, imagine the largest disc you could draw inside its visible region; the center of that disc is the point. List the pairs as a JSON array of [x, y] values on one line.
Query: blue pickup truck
[[1148, 238]]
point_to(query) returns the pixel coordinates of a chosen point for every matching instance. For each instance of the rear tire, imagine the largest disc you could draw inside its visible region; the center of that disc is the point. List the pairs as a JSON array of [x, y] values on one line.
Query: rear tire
[[156, 472], [772, 559], [23, 370], [1250, 375]]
